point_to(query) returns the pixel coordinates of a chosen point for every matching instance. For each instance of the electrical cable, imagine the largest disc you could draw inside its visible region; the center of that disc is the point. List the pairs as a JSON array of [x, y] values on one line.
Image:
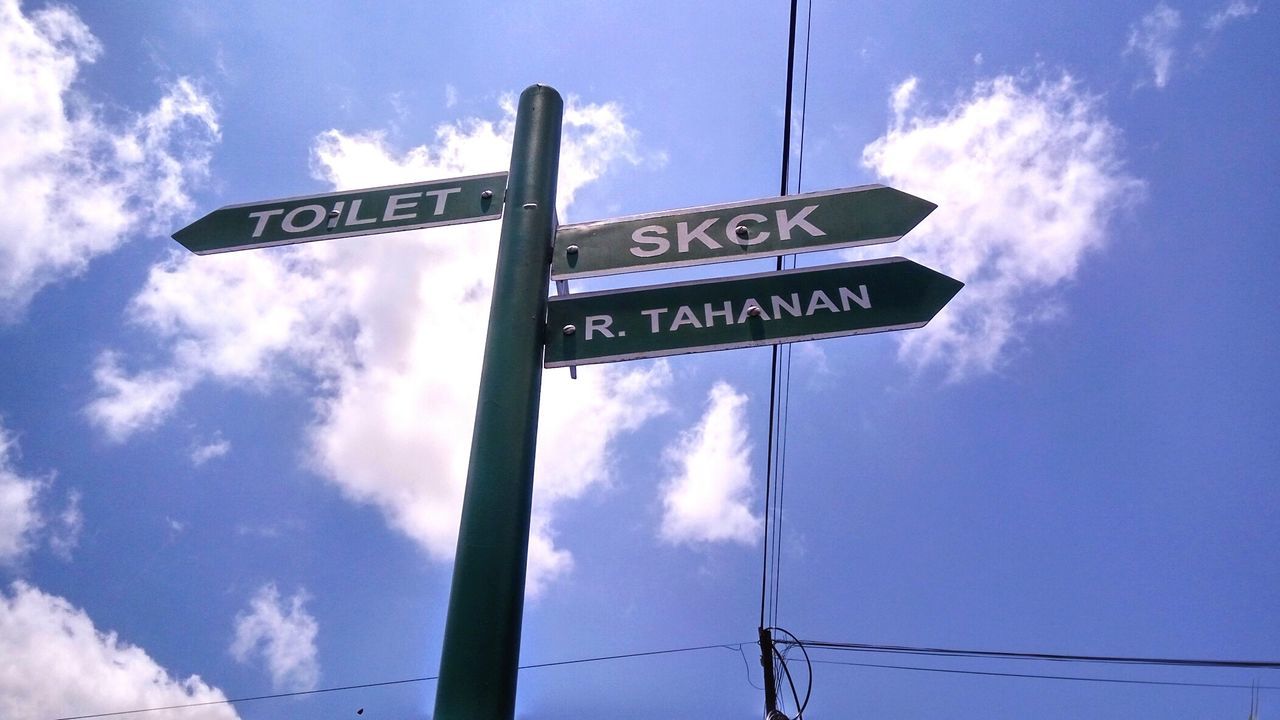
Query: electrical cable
[[534, 666], [786, 125], [808, 662], [746, 664], [780, 380], [785, 172], [624, 656], [780, 370], [804, 94], [1047, 677], [1054, 657], [783, 374], [233, 701], [800, 704], [770, 512], [787, 671]]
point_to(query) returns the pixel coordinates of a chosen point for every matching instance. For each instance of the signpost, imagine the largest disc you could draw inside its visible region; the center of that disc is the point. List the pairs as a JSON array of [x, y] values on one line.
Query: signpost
[[757, 228], [478, 668], [764, 309], [344, 214], [480, 658]]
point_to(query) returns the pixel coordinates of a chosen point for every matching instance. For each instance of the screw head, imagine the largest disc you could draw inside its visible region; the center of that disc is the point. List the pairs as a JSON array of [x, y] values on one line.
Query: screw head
[[754, 311], [334, 213], [572, 249], [569, 329], [486, 194], [741, 231]]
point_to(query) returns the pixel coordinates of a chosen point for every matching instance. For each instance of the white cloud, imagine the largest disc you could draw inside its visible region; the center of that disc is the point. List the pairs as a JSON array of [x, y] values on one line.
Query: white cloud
[[392, 327], [1153, 38], [707, 498], [73, 185], [903, 95], [283, 636], [65, 532], [62, 666], [1234, 10], [19, 513], [23, 523], [127, 403], [450, 95], [579, 423], [1026, 178], [215, 448]]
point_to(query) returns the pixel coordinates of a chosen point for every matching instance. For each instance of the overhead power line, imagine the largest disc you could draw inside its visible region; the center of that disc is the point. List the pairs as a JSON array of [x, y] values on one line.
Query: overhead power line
[[779, 381], [773, 375], [779, 402], [233, 701], [598, 658], [1053, 657], [780, 362], [1045, 677], [810, 644]]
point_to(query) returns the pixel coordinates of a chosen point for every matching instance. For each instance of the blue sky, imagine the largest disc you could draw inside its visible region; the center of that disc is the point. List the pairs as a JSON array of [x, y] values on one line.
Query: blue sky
[[237, 475]]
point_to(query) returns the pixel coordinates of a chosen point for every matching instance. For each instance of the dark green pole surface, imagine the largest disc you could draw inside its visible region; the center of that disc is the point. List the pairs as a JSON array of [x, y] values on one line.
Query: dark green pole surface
[[482, 632]]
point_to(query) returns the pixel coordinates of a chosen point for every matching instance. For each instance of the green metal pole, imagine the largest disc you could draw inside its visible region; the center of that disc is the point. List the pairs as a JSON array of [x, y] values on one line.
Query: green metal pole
[[482, 631]]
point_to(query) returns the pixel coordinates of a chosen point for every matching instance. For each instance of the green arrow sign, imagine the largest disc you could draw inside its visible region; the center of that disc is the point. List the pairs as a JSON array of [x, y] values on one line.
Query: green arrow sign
[[343, 214], [764, 309], [737, 231]]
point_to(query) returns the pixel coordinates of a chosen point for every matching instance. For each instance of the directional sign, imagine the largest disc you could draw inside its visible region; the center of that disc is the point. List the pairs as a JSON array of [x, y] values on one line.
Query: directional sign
[[764, 309], [343, 214], [756, 228]]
